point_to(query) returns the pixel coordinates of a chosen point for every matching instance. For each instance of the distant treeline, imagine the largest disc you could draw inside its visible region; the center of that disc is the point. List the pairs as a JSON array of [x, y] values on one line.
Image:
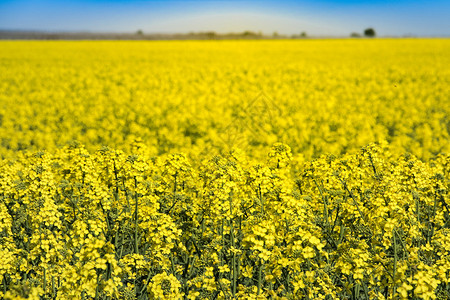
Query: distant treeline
[[140, 35]]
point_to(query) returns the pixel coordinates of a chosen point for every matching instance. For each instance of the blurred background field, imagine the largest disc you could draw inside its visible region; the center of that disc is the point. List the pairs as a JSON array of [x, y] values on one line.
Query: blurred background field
[[206, 97]]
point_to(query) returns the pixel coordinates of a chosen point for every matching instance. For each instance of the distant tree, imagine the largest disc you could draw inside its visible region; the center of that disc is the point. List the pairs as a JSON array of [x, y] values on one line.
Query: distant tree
[[275, 34], [369, 32], [303, 34], [139, 32], [211, 35], [248, 33], [355, 35]]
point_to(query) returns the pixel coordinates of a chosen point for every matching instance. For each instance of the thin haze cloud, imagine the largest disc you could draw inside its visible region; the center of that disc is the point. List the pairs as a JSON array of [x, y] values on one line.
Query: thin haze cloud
[[323, 17], [241, 21]]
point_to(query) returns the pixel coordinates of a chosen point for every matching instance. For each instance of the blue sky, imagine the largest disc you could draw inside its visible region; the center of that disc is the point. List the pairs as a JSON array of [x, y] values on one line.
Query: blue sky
[[323, 17]]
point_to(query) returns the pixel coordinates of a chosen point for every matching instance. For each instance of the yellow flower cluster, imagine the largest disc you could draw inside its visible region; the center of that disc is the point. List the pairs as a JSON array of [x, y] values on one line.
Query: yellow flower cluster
[[107, 224]]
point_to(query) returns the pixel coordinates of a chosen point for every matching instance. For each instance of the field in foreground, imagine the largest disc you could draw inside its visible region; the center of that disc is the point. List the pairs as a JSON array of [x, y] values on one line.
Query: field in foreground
[[217, 169]]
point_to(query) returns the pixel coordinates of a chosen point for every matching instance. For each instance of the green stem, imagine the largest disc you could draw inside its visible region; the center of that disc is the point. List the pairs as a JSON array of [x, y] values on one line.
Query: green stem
[[405, 253], [260, 277], [233, 289], [261, 201], [96, 289], [353, 198], [136, 246], [121, 245], [116, 240], [146, 282], [395, 264], [45, 281], [4, 284], [233, 262], [418, 210], [172, 264], [373, 167], [223, 242], [135, 277], [53, 287], [430, 224]]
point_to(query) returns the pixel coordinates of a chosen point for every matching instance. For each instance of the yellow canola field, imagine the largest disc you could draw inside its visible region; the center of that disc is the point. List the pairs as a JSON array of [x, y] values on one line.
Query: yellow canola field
[[284, 169], [317, 96]]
